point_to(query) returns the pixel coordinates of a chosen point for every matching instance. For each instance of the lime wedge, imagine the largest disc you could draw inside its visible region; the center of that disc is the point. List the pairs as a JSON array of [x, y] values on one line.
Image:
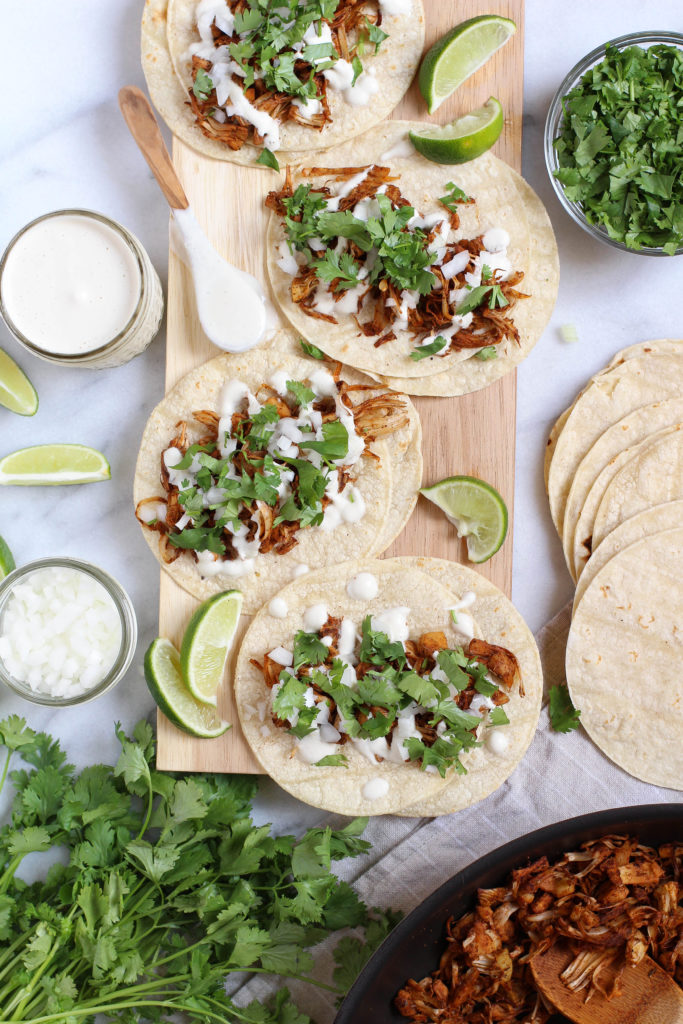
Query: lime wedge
[[464, 139], [162, 672], [16, 391], [7, 562], [476, 510], [459, 53], [207, 642], [54, 464]]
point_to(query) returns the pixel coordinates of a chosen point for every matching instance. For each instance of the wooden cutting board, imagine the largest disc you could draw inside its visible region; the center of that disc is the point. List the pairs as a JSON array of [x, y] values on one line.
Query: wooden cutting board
[[474, 434]]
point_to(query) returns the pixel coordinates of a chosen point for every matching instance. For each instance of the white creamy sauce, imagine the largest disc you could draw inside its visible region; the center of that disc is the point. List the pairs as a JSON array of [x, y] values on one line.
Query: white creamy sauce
[[340, 77], [70, 284], [496, 239], [393, 622], [463, 625], [496, 741], [278, 381], [315, 617], [299, 570], [313, 748], [282, 656], [403, 148], [309, 107], [362, 587], [278, 608], [230, 303], [395, 7], [375, 789], [323, 383], [347, 640], [287, 260], [480, 704], [347, 507]]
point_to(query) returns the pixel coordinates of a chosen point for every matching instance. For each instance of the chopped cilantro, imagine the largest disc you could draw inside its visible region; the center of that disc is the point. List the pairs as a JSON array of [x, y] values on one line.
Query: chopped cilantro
[[477, 296], [311, 350], [268, 159], [619, 146], [498, 717], [335, 443], [333, 761], [376, 648], [304, 395], [341, 268], [308, 649], [202, 86], [563, 715], [357, 66], [489, 352], [375, 34], [453, 197], [422, 351]]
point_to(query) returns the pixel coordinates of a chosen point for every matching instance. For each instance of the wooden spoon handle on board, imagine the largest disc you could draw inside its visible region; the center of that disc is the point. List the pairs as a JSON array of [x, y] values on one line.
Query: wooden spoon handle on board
[[139, 116], [648, 994]]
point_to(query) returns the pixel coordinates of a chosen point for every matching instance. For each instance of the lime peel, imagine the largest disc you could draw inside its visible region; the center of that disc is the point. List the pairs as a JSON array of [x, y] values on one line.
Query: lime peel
[[477, 511]]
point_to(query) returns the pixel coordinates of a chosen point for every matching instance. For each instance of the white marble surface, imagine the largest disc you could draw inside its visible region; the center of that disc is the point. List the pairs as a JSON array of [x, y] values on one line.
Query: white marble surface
[[64, 144]]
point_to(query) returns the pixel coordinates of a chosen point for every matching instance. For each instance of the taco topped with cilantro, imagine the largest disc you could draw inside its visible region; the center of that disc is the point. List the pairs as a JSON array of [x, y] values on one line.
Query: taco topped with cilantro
[[408, 269], [281, 75], [255, 467], [382, 688]]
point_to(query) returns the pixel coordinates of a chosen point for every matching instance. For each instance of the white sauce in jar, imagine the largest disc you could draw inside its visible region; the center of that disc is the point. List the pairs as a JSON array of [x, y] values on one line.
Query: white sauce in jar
[[70, 284]]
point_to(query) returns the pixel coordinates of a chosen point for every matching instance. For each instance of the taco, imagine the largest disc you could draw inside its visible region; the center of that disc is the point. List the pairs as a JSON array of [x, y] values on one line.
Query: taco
[[231, 77], [411, 270], [255, 467], [406, 685]]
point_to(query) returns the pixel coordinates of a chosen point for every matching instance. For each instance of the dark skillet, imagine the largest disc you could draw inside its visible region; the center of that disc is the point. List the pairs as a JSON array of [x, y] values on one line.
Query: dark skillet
[[414, 947]]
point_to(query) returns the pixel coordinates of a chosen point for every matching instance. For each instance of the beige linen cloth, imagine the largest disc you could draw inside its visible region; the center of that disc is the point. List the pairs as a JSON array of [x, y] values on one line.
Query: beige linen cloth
[[561, 776]]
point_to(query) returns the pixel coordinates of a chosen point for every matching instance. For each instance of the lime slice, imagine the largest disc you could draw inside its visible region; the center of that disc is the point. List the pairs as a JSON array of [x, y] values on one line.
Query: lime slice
[[16, 391], [7, 562], [464, 139], [459, 53], [162, 672], [207, 642], [54, 464], [477, 511]]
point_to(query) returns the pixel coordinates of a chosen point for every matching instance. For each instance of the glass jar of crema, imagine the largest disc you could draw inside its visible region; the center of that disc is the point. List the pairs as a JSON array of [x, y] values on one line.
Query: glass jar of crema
[[78, 289]]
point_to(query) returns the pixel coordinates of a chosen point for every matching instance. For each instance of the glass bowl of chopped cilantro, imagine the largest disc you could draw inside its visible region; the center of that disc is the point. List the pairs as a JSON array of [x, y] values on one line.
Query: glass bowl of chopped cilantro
[[614, 143]]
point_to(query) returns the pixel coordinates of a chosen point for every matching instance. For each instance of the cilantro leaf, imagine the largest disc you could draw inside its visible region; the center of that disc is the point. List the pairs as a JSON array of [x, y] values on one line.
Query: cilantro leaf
[[498, 717], [335, 443], [268, 159], [303, 394], [564, 717], [488, 352], [333, 761], [453, 197], [311, 350], [202, 86], [308, 649], [375, 34], [431, 349]]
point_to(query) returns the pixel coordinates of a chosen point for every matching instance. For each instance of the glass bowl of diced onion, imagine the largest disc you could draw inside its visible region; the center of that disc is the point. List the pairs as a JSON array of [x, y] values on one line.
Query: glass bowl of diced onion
[[555, 121], [67, 631]]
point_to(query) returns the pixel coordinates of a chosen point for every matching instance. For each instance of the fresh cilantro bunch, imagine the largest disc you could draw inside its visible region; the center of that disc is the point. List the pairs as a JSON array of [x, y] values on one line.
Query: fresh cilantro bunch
[[240, 489], [168, 887], [371, 709], [619, 149]]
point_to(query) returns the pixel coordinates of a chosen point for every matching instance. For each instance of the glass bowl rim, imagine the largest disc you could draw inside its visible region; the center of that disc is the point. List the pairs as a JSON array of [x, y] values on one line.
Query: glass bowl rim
[[127, 617], [554, 119]]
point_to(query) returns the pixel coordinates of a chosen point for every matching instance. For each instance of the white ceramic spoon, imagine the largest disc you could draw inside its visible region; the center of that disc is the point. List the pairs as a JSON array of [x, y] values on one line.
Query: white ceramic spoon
[[230, 303]]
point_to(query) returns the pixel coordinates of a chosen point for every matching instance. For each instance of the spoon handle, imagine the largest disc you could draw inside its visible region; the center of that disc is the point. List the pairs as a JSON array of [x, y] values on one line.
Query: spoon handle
[[139, 117]]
